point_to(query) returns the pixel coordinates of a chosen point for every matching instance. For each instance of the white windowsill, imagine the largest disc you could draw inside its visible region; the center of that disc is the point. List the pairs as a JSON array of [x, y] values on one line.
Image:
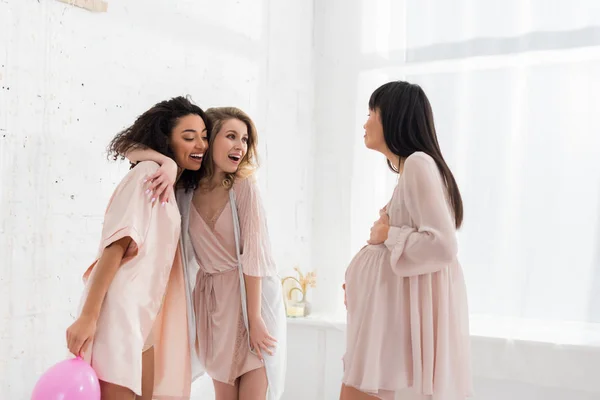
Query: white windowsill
[[549, 332], [559, 355], [319, 321]]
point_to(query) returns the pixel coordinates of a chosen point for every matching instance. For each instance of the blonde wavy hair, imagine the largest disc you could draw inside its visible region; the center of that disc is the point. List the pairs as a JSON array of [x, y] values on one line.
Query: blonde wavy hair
[[218, 116]]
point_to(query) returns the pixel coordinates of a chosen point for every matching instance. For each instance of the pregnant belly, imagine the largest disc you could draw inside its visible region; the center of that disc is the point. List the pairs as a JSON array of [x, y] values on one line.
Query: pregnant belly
[[365, 270], [368, 257]]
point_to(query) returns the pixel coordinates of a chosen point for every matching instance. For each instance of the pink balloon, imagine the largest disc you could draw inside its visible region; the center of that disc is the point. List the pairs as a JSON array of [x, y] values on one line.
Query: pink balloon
[[72, 379]]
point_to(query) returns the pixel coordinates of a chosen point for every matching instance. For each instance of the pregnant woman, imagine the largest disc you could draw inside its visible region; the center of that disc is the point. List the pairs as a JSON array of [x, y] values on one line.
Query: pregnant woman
[[408, 333]]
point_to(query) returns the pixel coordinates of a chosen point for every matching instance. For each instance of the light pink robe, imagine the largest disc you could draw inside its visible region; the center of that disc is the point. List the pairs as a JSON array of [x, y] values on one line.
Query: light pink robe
[[222, 336], [408, 329], [146, 295], [220, 343]]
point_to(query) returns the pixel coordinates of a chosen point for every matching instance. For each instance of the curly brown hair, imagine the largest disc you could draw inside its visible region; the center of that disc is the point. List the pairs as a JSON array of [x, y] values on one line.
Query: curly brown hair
[[153, 129], [218, 116]]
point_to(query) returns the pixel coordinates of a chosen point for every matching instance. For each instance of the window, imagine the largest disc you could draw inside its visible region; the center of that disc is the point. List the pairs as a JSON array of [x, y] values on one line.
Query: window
[[515, 90]]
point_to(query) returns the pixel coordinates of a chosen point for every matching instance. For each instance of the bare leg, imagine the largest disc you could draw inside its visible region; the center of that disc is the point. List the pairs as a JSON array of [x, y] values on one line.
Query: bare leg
[[110, 391], [147, 375], [223, 391], [253, 385], [350, 393]]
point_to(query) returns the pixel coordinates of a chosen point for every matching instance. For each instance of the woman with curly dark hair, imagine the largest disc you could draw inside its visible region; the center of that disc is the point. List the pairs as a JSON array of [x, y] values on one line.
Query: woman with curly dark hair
[[132, 325], [239, 318]]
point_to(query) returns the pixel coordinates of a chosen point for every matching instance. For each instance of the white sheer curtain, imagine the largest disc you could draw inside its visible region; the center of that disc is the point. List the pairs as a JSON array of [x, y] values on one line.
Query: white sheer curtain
[[515, 89]]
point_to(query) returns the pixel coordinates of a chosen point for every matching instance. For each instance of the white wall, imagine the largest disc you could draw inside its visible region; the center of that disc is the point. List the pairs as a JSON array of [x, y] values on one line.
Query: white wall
[[336, 30], [351, 182], [71, 79]]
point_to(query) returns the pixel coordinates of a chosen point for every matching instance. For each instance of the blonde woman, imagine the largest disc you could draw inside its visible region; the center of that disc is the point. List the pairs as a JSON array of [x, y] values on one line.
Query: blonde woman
[[238, 313]]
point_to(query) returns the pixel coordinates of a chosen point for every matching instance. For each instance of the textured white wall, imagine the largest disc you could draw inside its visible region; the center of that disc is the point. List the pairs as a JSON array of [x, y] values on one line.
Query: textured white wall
[[70, 79]]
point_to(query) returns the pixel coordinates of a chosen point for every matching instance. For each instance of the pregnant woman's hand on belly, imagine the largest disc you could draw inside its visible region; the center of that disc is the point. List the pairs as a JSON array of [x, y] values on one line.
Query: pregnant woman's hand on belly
[[260, 339], [380, 229], [80, 334]]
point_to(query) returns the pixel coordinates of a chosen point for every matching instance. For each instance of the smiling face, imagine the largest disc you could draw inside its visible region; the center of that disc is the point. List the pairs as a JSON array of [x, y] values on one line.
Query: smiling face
[[189, 141], [230, 146], [231, 152]]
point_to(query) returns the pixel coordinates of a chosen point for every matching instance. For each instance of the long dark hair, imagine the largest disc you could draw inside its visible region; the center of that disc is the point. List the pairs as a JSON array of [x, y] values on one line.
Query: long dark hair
[[153, 129], [408, 127]]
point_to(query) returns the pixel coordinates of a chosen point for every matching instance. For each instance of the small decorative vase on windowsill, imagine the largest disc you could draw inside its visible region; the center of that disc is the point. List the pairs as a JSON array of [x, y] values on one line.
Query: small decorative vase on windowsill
[[295, 289]]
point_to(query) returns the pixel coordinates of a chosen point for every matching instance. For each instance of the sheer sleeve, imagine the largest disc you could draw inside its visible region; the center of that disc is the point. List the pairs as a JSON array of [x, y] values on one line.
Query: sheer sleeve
[[256, 246], [430, 244]]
